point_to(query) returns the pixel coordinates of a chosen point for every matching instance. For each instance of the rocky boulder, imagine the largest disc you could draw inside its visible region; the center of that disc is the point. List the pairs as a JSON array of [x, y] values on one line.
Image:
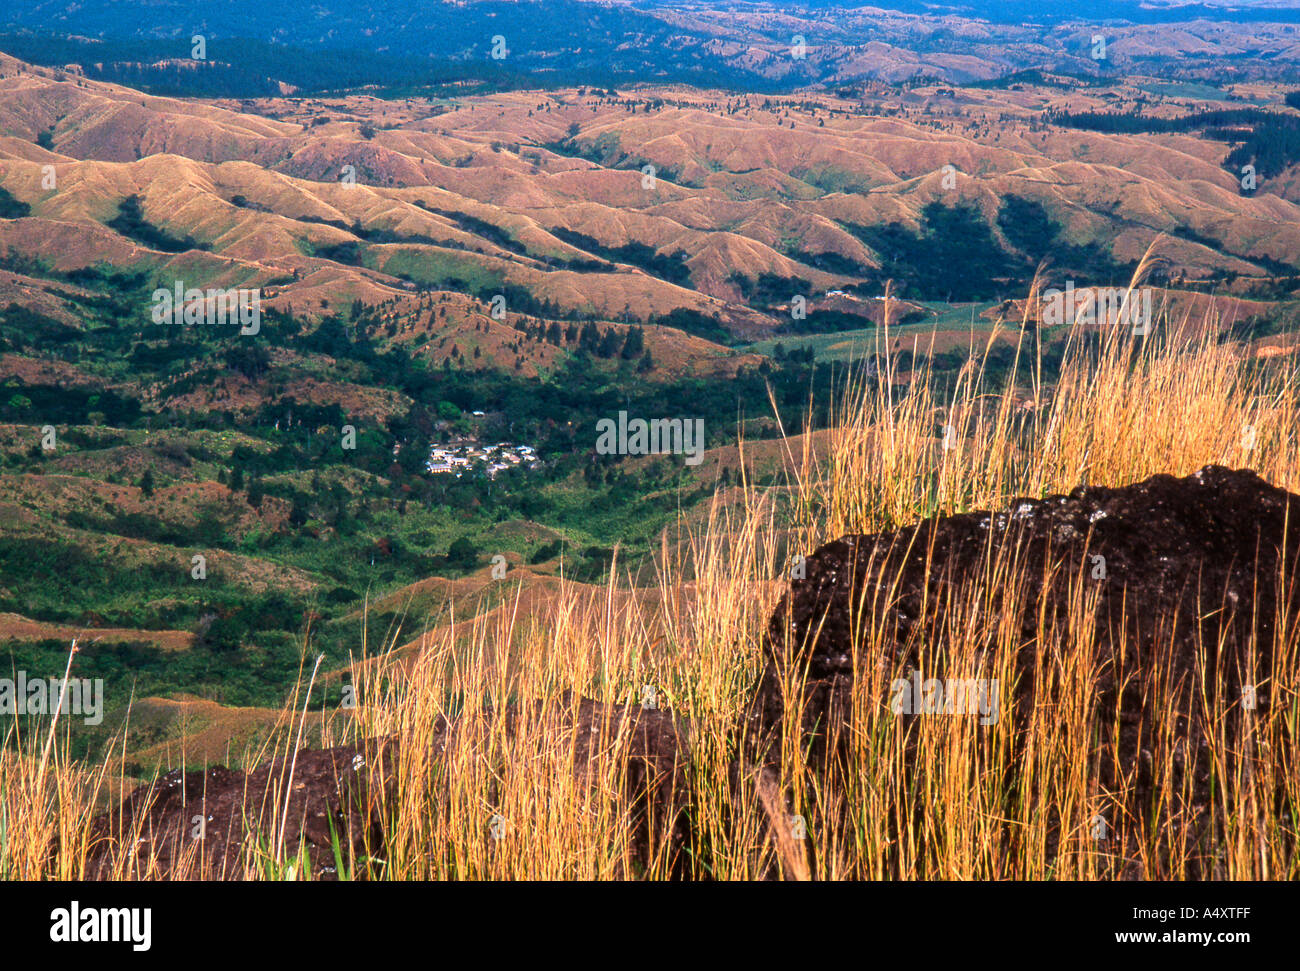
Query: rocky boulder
[[1185, 573], [221, 823]]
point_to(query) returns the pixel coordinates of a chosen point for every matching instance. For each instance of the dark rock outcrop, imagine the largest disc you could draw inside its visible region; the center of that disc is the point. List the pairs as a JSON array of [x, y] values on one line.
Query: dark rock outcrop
[[211, 824], [218, 823], [1186, 573]]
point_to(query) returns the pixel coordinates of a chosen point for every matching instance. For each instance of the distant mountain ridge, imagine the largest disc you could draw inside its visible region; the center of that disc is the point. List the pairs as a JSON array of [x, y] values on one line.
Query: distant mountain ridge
[[729, 44]]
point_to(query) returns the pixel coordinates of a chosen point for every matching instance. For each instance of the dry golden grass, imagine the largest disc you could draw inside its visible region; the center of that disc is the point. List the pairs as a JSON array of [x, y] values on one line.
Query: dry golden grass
[[970, 805]]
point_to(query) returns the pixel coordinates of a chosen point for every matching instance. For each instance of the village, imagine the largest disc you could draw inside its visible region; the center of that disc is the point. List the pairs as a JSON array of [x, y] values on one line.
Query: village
[[463, 456]]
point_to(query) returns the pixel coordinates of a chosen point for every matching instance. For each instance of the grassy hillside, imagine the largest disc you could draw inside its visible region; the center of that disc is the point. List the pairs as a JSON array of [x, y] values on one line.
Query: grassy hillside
[[694, 633]]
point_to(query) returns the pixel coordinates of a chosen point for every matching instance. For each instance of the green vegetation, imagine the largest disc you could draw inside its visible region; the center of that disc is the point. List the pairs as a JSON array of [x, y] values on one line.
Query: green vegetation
[[130, 222], [954, 254], [1269, 140], [332, 526], [671, 267], [11, 208]]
